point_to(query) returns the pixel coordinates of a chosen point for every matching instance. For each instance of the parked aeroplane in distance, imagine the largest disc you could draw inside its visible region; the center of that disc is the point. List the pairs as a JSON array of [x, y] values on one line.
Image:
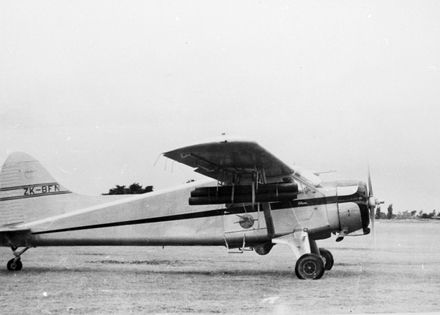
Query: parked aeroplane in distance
[[252, 201]]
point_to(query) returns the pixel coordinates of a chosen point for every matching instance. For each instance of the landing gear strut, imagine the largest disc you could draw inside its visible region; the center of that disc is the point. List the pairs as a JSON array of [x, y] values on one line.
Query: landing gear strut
[[309, 264], [15, 263], [312, 261]]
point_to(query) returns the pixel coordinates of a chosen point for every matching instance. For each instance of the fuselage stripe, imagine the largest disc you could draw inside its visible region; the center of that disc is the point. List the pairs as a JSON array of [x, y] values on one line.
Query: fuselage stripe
[[216, 212], [192, 215]]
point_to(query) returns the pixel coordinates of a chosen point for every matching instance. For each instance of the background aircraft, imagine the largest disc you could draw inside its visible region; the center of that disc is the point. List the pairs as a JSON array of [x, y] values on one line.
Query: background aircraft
[[256, 201]]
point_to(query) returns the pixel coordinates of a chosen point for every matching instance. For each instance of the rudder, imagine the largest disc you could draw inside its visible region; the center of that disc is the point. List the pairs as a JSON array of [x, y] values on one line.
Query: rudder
[[23, 177]]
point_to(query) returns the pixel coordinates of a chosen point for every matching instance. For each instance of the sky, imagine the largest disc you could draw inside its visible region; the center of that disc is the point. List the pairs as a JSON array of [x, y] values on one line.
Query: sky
[[96, 90]]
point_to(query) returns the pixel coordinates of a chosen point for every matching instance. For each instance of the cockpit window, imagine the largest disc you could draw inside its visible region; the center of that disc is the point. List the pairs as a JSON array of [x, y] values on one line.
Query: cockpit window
[[307, 177]]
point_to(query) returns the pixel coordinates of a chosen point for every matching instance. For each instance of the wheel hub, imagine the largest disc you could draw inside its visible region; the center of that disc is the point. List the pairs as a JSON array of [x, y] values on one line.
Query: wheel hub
[[309, 268]]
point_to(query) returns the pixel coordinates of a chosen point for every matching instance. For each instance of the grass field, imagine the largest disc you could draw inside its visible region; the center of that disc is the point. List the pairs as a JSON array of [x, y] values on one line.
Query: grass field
[[399, 271]]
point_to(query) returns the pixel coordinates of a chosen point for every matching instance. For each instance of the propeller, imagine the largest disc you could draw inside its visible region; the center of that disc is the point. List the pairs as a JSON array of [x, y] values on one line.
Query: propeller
[[372, 201]]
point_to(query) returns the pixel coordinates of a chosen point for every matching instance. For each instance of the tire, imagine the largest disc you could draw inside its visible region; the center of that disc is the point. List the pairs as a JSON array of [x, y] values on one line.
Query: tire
[[309, 266], [14, 265], [328, 258]]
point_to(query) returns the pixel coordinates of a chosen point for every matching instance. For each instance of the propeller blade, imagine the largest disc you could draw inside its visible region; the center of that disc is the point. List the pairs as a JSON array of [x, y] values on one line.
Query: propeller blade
[[372, 218], [370, 186], [371, 201]]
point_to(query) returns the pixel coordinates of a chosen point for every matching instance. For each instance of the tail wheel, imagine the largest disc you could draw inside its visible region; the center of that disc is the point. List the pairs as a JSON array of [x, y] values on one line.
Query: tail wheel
[[328, 258], [14, 265], [309, 266]]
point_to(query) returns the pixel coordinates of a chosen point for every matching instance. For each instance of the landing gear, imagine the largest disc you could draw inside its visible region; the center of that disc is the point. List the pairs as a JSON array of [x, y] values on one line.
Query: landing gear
[[309, 266], [327, 257], [15, 263], [312, 261]]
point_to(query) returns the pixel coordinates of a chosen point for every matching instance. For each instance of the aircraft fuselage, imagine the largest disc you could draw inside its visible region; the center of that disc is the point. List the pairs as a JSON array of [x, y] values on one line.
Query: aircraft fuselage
[[165, 218]]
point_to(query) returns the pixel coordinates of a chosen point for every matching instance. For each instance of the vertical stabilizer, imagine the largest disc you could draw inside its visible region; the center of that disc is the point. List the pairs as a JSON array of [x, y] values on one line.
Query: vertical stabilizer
[[23, 178]]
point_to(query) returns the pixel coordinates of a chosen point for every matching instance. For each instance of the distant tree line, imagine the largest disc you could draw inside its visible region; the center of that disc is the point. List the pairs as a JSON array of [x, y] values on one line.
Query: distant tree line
[[134, 188], [414, 214]]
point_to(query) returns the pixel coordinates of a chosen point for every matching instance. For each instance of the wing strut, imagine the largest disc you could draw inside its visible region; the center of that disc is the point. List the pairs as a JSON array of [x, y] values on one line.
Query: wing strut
[[268, 218], [266, 208]]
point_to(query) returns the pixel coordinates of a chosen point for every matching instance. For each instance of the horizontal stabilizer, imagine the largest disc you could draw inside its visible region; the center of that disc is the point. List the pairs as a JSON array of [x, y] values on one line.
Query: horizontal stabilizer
[[13, 230]]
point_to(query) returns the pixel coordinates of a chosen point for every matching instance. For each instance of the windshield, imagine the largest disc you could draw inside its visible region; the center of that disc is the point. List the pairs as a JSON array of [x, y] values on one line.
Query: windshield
[[307, 177]]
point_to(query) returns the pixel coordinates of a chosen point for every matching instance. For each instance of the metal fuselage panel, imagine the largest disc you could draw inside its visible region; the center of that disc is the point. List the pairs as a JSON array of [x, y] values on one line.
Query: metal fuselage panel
[[165, 218]]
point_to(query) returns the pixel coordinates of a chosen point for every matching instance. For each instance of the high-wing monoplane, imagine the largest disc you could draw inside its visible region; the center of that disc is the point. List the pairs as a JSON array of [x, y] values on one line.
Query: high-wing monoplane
[[252, 201]]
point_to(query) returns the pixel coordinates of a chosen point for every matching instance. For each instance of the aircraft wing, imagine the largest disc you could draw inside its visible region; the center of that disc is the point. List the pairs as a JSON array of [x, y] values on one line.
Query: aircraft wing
[[224, 160]]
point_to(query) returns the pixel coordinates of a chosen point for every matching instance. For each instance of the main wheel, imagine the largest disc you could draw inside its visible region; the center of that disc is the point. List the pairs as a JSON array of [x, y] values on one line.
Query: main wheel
[[328, 258], [309, 266], [14, 265]]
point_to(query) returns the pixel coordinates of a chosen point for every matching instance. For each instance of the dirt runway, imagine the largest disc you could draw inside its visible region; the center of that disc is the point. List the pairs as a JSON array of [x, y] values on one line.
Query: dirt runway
[[398, 272]]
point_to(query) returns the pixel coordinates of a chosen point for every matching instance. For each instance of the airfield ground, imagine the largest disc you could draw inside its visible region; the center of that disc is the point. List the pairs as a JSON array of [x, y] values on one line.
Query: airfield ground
[[399, 272]]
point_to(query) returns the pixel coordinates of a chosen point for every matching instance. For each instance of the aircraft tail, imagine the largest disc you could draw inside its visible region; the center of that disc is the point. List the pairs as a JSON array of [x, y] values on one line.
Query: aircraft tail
[[23, 178]]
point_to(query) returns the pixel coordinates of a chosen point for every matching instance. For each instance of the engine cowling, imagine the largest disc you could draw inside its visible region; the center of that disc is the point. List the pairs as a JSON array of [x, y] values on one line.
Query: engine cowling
[[350, 218], [352, 212]]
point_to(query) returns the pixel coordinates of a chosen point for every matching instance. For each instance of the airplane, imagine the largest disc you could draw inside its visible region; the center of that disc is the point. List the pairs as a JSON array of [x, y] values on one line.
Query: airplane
[[251, 201]]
